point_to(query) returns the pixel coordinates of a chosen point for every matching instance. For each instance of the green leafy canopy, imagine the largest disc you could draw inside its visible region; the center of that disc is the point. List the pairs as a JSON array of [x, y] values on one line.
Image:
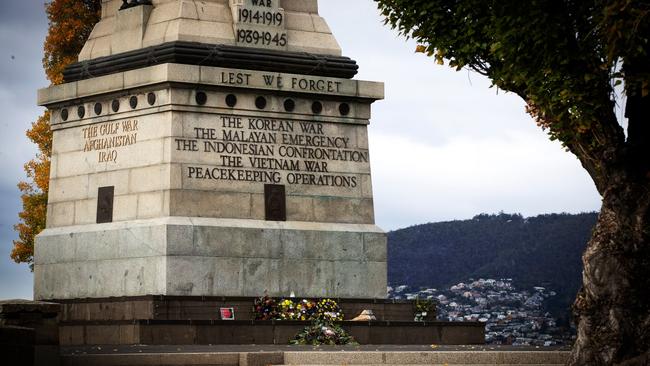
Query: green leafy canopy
[[563, 57]]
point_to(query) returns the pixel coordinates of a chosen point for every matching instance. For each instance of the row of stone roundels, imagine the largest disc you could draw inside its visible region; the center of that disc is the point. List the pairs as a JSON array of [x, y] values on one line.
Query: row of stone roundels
[[202, 98]]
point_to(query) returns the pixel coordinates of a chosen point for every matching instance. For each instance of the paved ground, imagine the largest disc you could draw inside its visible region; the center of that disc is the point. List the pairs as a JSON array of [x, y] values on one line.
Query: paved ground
[[270, 348]]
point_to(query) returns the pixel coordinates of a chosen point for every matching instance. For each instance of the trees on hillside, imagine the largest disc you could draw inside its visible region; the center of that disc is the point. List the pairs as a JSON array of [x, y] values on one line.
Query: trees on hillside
[[70, 24], [564, 57], [536, 251]]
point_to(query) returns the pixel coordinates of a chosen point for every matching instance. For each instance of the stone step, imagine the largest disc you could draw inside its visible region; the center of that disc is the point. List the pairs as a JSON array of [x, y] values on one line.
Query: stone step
[[311, 358], [428, 358], [151, 359]]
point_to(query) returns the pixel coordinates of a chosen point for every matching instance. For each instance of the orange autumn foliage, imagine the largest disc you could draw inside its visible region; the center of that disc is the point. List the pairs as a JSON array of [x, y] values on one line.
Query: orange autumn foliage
[[70, 24]]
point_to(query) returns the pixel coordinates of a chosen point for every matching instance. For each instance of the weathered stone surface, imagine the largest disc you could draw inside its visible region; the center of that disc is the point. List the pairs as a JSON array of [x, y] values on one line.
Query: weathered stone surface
[[151, 175], [374, 247], [190, 159], [208, 257], [210, 22], [111, 278]]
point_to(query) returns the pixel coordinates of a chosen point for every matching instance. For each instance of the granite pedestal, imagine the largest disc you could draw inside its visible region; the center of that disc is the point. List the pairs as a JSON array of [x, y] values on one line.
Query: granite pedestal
[[174, 173]]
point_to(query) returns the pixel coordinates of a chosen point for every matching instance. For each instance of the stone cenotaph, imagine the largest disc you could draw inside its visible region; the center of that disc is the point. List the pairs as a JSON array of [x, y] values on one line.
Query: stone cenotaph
[[213, 148]]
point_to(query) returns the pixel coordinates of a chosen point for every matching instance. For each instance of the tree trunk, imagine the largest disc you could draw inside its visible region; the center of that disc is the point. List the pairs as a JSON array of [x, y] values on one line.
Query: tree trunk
[[612, 308]]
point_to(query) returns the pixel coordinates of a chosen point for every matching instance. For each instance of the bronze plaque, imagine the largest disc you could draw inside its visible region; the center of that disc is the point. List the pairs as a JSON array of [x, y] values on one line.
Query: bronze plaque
[[105, 204], [275, 202]]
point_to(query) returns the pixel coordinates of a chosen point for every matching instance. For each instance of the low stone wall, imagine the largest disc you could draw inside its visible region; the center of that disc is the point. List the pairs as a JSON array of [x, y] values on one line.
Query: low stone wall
[[241, 332], [207, 308], [29, 333]]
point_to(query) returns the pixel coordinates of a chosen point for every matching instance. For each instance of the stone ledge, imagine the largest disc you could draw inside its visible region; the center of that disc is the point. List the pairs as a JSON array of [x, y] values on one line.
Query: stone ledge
[[11, 308], [211, 298], [193, 53], [181, 101], [209, 76], [370, 324], [201, 221]]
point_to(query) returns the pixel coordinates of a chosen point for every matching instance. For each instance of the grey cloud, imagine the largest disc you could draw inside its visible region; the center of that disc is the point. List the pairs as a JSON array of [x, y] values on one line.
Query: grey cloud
[[22, 13], [20, 61], [16, 279], [19, 79], [22, 31]]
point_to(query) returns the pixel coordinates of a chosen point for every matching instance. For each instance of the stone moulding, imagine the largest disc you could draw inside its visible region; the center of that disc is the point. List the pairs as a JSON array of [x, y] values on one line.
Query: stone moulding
[[206, 76], [192, 53]]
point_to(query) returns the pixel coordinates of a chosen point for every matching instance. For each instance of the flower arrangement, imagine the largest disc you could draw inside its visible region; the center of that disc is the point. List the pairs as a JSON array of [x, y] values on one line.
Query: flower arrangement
[[287, 310], [323, 315], [265, 308], [307, 310], [322, 332], [329, 310]]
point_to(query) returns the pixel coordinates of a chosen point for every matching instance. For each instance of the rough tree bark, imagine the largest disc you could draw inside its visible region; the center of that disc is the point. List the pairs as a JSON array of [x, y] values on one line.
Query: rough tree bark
[[562, 58], [612, 308]]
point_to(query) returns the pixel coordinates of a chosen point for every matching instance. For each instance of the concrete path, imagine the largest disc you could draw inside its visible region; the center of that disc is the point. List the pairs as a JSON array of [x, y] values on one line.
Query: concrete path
[[307, 355]]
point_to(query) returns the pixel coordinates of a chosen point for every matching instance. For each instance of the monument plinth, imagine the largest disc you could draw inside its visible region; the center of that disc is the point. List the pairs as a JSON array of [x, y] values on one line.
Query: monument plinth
[[210, 148]]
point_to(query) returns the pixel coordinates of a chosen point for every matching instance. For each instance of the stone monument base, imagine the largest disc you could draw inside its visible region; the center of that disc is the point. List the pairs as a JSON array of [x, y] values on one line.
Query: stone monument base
[[164, 320], [181, 256], [242, 332]]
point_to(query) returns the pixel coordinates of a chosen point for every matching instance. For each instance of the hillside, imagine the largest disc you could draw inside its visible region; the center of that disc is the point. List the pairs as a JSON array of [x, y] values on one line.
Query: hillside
[[537, 251]]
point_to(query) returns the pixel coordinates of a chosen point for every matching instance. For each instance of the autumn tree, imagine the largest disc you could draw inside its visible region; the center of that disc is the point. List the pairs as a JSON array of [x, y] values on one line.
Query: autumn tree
[[564, 59], [70, 24]]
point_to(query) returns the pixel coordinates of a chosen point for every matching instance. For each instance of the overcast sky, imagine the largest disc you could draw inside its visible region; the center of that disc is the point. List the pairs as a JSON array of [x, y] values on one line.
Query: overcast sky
[[444, 146]]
